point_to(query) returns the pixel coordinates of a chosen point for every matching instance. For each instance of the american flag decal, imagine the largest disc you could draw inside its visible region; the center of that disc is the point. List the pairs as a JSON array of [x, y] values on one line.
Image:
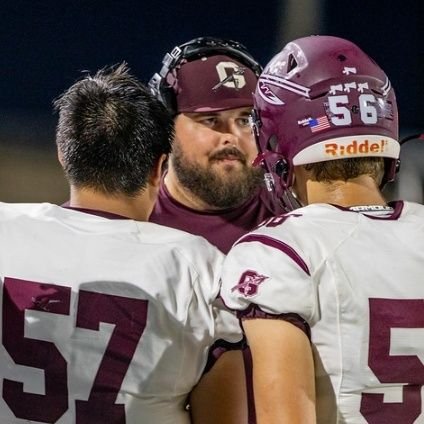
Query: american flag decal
[[319, 124]]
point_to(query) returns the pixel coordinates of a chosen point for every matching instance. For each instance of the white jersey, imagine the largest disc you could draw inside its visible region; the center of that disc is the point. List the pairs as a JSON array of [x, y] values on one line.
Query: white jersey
[[357, 279], [103, 321]]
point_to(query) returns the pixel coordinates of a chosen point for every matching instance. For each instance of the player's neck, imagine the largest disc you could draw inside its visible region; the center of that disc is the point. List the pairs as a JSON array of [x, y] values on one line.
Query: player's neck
[[359, 191], [138, 208], [182, 195]]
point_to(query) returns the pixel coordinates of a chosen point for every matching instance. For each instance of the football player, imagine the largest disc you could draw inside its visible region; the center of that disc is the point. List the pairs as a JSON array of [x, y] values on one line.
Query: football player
[[107, 318], [330, 294]]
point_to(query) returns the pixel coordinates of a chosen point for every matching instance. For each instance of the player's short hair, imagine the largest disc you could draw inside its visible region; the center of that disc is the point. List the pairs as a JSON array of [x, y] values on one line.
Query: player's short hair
[[347, 169], [111, 131]]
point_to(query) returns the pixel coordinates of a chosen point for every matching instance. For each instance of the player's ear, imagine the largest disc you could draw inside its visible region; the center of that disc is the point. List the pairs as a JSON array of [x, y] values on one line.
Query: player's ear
[[157, 171], [60, 156]]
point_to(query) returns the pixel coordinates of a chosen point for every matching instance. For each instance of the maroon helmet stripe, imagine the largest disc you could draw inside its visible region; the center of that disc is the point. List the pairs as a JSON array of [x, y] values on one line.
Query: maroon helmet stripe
[[276, 244]]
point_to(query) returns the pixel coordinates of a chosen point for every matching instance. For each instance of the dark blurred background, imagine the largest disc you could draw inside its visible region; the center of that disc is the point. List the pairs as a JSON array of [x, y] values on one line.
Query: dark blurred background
[[44, 46]]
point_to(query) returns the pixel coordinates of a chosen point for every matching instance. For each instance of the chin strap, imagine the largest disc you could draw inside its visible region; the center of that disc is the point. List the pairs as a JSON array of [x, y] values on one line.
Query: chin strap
[[276, 185], [289, 201]]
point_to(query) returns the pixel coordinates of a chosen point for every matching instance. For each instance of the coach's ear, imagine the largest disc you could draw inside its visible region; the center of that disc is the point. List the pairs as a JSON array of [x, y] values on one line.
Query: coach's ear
[[157, 171]]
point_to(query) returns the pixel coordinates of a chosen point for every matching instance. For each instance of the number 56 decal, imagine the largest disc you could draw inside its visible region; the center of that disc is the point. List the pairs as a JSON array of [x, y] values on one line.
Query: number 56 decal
[[129, 316], [341, 115]]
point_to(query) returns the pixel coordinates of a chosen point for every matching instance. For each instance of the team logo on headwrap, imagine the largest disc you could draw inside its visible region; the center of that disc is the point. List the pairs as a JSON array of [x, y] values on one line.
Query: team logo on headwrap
[[230, 75], [249, 283]]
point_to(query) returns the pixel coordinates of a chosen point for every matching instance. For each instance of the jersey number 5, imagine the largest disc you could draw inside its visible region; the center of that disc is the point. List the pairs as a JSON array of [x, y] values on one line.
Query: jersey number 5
[[386, 314], [127, 314]]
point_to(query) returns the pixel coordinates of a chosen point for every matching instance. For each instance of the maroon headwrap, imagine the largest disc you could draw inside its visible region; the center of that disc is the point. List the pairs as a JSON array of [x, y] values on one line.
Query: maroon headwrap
[[212, 83]]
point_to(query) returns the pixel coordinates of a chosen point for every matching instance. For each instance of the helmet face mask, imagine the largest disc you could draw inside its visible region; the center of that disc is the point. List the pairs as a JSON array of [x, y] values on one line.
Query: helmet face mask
[[193, 50], [322, 98]]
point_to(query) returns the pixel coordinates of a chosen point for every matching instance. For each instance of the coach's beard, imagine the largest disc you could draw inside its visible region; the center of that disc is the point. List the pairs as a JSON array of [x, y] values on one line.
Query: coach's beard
[[218, 189]]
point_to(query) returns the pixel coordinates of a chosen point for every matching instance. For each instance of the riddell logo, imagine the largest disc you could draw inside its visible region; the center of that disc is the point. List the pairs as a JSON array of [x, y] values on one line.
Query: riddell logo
[[356, 147]]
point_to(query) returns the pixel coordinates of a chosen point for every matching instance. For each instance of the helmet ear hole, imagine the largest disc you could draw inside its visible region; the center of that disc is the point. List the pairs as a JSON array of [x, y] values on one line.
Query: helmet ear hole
[[281, 168], [272, 143], [397, 166], [292, 63]]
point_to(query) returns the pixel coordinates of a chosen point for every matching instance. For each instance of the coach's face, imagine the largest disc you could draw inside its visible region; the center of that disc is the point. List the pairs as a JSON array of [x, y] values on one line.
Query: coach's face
[[215, 150], [221, 141]]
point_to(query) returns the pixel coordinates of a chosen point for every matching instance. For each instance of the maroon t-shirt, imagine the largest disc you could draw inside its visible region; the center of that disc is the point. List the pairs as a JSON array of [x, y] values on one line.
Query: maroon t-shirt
[[221, 228]]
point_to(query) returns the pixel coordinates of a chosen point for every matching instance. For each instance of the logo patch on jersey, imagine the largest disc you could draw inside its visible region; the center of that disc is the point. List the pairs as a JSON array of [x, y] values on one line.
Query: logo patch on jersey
[[249, 282]]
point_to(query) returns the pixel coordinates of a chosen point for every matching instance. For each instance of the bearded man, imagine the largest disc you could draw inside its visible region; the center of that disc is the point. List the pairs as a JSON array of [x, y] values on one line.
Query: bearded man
[[210, 187]]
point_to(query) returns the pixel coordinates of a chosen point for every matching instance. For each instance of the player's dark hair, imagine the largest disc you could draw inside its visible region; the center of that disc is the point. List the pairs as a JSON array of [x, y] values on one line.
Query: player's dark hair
[[346, 169], [111, 132]]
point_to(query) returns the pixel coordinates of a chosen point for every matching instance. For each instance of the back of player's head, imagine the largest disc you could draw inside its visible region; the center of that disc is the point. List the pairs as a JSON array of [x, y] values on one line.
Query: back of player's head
[[206, 74], [111, 132], [322, 98]]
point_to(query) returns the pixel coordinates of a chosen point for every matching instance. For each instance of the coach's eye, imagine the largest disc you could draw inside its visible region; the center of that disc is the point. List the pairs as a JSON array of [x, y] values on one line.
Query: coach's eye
[[244, 121], [208, 121]]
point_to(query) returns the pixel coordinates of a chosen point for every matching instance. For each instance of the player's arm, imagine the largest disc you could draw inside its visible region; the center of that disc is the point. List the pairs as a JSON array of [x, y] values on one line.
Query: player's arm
[[220, 397], [283, 372]]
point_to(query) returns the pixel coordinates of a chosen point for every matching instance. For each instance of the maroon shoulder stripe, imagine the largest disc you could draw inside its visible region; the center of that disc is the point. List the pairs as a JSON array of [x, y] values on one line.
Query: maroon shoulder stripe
[[276, 244]]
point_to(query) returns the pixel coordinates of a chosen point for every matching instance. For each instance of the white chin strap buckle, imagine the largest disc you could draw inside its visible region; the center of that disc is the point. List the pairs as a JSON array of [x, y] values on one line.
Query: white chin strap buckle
[[269, 181]]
